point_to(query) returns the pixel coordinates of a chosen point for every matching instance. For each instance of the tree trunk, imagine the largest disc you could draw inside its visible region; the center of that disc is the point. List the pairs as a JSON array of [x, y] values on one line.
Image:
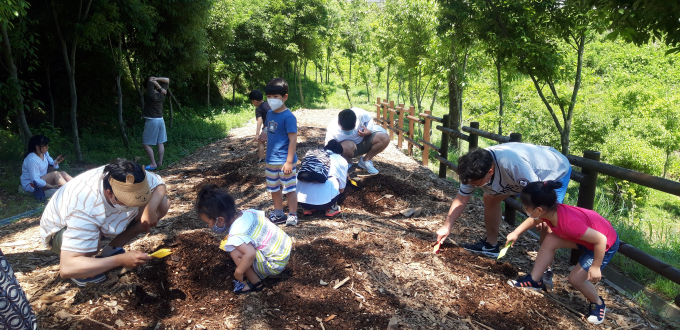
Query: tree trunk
[[666, 163], [70, 62], [49, 95], [24, 130], [454, 106], [500, 98], [302, 98], [434, 96], [401, 81], [328, 62], [137, 83], [119, 73], [388, 82], [233, 89], [410, 88], [342, 79], [304, 74], [368, 93], [208, 84]]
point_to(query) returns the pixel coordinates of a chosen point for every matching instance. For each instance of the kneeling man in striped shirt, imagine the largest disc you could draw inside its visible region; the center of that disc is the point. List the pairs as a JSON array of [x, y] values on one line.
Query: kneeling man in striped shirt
[[119, 200]]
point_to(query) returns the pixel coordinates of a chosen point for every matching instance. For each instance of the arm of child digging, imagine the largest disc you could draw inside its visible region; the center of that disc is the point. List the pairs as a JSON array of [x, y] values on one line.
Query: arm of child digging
[[247, 259], [149, 217], [288, 166], [526, 225], [457, 207], [600, 241], [84, 265]]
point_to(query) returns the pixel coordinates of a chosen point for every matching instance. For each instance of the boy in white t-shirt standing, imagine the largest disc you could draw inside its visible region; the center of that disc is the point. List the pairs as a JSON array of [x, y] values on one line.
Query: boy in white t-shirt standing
[[357, 134], [119, 200]]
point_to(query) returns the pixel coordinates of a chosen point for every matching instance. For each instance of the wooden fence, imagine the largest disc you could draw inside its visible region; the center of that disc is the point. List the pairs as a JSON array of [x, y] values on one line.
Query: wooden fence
[[587, 178]]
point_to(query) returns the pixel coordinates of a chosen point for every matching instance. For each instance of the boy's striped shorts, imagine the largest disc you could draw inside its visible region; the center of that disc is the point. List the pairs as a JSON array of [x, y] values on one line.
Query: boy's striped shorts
[[276, 178]]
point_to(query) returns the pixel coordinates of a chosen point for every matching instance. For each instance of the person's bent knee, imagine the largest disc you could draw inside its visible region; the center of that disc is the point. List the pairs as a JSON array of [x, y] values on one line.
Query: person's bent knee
[[550, 241], [381, 137]]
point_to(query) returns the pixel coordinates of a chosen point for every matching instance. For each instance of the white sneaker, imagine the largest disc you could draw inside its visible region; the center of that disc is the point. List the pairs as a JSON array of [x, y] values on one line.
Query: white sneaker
[[292, 220], [367, 165]]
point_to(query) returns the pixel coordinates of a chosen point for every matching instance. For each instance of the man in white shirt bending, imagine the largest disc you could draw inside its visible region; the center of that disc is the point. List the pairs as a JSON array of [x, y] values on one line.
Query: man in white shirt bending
[[119, 200], [502, 171], [357, 134]]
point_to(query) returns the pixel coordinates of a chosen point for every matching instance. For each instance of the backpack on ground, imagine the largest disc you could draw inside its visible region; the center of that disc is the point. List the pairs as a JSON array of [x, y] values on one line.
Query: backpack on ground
[[315, 166]]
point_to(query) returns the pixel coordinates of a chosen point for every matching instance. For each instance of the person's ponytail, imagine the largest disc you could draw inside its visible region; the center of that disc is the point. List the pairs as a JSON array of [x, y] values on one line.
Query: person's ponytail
[[540, 193]]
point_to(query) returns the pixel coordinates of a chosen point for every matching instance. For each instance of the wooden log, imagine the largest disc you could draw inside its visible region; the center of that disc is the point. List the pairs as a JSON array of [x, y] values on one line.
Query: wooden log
[[400, 139], [453, 133], [414, 143], [431, 117], [426, 143], [426, 136], [491, 136], [384, 114]]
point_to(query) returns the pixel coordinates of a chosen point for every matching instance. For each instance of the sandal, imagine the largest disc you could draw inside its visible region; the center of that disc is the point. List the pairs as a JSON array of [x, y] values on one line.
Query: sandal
[[238, 287], [150, 168]]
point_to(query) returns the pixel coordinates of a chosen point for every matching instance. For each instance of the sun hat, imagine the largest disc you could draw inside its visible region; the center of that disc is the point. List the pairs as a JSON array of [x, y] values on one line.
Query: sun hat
[[131, 193]]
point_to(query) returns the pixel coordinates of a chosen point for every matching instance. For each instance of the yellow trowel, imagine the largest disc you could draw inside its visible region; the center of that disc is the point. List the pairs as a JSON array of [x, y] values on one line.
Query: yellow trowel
[[161, 253]]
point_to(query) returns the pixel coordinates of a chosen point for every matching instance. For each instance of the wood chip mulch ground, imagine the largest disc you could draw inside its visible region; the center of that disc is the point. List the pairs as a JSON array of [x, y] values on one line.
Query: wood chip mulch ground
[[368, 268]]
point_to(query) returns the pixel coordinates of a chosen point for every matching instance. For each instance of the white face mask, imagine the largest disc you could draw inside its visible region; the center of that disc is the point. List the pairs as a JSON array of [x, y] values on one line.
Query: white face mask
[[275, 103], [122, 208], [532, 213]]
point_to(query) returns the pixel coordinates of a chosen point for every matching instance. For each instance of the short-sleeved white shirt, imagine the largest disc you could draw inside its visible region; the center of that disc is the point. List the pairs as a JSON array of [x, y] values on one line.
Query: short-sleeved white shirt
[[518, 164], [315, 193], [364, 119], [81, 208], [33, 168]]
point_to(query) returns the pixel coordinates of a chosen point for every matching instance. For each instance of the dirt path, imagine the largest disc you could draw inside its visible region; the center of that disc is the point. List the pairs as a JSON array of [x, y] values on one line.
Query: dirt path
[[392, 274]]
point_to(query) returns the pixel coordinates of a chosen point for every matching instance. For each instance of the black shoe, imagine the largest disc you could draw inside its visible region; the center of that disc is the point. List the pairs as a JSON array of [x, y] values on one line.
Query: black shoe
[[527, 282], [596, 312], [277, 219], [484, 247], [547, 280], [260, 161]]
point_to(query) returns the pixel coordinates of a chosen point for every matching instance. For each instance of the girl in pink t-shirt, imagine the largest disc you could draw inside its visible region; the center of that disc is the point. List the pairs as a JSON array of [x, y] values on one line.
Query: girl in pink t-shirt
[[571, 228]]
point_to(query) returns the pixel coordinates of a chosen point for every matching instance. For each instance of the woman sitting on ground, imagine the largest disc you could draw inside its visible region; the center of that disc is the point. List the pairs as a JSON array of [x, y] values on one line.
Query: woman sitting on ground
[[34, 170], [320, 191]]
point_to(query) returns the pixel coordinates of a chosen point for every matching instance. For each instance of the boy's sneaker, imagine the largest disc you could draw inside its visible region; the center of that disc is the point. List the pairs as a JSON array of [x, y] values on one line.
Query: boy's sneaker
[[277, 219], [596, 312], [547, 279], [484, 247], [367, 165], [292, 220], [82, 282], [333, 211], [527, 282]]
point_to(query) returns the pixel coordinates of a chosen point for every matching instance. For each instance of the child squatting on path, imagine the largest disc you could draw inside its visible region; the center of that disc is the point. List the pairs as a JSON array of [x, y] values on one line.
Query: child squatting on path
[[280, 162], [258, 247], [571, 228]]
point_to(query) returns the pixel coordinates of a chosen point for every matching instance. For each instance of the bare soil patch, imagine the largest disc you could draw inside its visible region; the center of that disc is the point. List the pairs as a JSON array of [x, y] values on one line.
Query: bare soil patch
[[386, 258]]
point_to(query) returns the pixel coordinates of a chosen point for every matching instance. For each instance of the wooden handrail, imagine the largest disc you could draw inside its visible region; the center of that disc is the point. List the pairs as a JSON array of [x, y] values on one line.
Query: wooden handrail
[[454, 133], [429, 116], [433, 146], [420, 146], [488, 135], [654, 182]]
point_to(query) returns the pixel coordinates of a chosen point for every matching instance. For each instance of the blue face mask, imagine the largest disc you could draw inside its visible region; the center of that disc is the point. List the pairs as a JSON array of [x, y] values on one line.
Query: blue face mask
[[218, 230], [348, 132]]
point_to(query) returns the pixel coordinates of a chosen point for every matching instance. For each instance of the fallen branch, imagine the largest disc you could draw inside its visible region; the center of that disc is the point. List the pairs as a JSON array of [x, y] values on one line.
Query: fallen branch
[[341, 283], [483, 325], [64, 315]]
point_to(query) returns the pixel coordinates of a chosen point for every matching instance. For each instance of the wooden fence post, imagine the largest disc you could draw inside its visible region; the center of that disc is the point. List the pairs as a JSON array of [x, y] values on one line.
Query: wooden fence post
[[385, 116], [586, 194], [444, 147], [390, 109], [411, 127], [400, 139], [426, 137], [473, 141], [510, 212], [378, 107]]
